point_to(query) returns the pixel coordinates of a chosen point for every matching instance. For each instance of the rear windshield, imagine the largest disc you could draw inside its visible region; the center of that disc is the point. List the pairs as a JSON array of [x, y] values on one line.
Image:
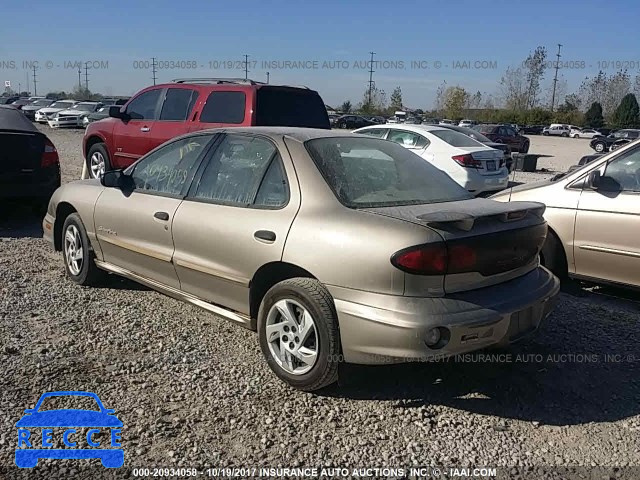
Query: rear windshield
[[290, 107], [455, 139], [368, 172], [484, 128]]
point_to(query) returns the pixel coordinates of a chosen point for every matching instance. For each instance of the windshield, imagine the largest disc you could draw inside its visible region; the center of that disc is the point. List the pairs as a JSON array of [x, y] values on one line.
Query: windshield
[[456, 139], [85, 107], [42, 103], [61, 104], [367, 172]]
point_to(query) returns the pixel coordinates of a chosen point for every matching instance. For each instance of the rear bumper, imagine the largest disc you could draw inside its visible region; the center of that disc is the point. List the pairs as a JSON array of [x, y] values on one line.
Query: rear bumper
[[476, 183], [377, 329], [37, 185]]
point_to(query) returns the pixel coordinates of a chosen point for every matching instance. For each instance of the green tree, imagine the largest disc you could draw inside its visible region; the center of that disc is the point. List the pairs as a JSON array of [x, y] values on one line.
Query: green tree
[[627, 115], [346, 106], [396, 99], [455, 101], [593, 117]]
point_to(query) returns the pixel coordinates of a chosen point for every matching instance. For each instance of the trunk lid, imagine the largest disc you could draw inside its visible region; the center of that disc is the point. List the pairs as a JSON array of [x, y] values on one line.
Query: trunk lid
[[504, 238], [21, 152], [490, 159]]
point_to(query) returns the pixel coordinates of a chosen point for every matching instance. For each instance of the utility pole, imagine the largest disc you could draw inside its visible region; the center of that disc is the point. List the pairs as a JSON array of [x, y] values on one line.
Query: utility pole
[[371, 70], [153, 69], [79, 79], [555, 79], [246, 67], [28, 90], [35, 84], [86, 76], [267, 78], [19, 88]]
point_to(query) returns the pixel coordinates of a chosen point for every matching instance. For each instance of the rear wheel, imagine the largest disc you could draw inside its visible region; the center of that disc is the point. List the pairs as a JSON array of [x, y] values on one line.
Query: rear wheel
[[298, 332], [565, 134], [599, 147], [98, 160], [77, 253], [553, 256]]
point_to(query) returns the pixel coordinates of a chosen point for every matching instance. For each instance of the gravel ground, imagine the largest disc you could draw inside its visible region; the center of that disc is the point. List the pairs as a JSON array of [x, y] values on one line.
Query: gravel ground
[[193, 390]]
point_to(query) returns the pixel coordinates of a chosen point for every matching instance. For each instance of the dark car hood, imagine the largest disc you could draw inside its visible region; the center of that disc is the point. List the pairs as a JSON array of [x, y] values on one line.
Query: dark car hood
[[69, 418]]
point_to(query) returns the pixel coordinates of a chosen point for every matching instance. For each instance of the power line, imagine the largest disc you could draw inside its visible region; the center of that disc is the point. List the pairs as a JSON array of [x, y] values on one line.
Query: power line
[[555, 79], [35, 83], [246, 67], [371, 70], [153, 69]]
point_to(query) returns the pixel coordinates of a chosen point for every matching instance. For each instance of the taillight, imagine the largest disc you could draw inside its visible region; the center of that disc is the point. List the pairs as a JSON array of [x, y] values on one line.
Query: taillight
[[435, 259], [50, 155], [467, 160]]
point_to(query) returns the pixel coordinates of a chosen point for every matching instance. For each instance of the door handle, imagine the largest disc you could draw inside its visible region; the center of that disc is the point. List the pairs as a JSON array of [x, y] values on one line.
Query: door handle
[[265, 236], [161, 216], [144, 129]]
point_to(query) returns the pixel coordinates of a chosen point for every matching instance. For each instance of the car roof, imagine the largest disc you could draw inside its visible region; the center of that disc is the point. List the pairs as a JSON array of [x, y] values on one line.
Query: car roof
[[13, 119], [410, 127]]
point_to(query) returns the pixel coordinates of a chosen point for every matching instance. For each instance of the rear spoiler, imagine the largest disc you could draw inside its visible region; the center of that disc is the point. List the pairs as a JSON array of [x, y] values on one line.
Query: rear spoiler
[[507, 212]]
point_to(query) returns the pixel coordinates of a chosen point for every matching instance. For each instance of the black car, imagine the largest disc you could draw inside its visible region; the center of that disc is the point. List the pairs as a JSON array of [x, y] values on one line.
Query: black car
[[506, 149], [352, 122], [603, 144], [8, 100], [31, 109], [29, 163], [531, 130]]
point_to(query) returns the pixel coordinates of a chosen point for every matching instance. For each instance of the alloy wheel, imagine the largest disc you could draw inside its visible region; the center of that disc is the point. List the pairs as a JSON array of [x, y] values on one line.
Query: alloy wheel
[[96, 165], [292, 337], [73, 250]]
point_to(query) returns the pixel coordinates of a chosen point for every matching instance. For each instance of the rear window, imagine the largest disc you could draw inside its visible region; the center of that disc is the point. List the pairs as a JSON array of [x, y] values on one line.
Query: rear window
[[455, 139], [290, 107], [484, 128], [367, 172], [224, 107]]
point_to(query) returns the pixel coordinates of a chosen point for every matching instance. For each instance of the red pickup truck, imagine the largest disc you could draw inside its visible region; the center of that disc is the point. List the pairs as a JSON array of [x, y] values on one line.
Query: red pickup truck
[[161, 112]]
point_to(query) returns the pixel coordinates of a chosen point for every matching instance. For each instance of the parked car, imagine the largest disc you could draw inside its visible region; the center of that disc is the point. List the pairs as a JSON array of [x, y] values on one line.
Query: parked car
[[31, 109], [29, 164], [473, 165], [164, 111], [506, 149], [620, 143], [594, 218], [45, 113], [332, 119], [100, 114], [290, 210], [413, 120], [378, 119], [446, 121], [8, 100], [74, 116], [557, 129], [467, 123], [602, 144], [353, 121], [585, 133], [21, 102], [531, 130], [504, 134]]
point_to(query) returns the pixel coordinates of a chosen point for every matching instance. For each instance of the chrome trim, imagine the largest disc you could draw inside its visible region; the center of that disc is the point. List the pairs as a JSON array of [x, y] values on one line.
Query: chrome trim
[[610, 250], [134, 248], [236, 317], [212, 272]]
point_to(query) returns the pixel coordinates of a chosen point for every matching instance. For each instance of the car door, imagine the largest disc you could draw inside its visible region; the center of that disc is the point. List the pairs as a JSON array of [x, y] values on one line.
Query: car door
[[607, 244], [175, 115], [235, 219], [134, 225], [132, 136]]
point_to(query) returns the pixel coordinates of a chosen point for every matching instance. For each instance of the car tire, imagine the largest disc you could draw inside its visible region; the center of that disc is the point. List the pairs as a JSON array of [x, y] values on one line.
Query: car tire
[[77, 253], [565, 135], [599, 147], [98, 160], [525, 147], [546, 134], [553, 256], [306, 300]]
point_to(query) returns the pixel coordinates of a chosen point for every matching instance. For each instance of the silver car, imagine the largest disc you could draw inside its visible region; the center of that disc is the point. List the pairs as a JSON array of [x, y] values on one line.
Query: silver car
[[333, 246]]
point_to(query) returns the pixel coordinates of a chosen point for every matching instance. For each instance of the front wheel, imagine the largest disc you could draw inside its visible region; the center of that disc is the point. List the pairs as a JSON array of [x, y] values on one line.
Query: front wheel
[[298, 332], [77, 253], [599, 147], [98, 160]]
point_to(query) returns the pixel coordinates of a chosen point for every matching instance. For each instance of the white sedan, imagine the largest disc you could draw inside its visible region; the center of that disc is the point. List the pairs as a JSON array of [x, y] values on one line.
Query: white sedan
[[44, 114], [584, 133], [471, 164], [73, 117]]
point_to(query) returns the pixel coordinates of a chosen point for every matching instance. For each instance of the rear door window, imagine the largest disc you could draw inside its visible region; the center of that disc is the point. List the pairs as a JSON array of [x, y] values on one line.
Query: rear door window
[[224, 107], [178, 103], [290, 107]]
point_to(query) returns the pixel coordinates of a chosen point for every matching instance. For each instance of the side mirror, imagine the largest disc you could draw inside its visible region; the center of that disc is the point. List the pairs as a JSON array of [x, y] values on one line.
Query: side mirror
[[115, 112], [117, 179], [594, 180]]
